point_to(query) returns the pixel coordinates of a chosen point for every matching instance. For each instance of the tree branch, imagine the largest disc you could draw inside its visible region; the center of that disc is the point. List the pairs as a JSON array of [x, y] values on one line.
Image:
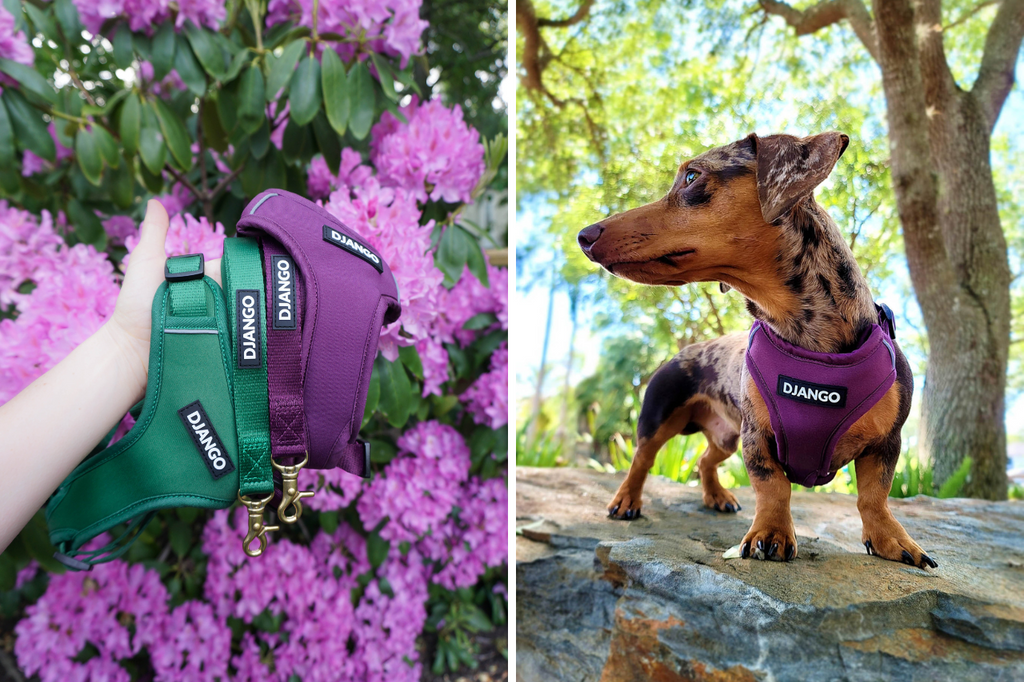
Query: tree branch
[[1002, 45], [963, 18], [936, 77], [580, 15], [826, 13]]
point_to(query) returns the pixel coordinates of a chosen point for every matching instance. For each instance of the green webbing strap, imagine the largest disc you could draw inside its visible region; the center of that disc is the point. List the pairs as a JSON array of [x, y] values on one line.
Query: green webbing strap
[[188, 298], [242, 270]]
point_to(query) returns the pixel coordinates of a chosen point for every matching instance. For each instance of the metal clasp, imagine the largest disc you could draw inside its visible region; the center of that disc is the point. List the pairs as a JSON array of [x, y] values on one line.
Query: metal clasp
[[257, 529], [291, 496]]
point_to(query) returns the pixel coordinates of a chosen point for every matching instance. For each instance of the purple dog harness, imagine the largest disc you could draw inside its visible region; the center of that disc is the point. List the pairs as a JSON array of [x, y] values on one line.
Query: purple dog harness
[[814, 398]]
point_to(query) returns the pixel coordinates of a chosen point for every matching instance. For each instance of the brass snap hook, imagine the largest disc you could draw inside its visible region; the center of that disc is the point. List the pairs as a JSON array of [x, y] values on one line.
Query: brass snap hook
[[257, 529], [291, 496]]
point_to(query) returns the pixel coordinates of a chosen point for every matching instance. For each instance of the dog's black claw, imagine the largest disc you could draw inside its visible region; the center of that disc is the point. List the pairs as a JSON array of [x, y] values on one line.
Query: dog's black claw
[[908, 558], [637, 514], [790, 552], [629, 515], [738, 507], [925, 559], [730, 508], [745, 550], [614, 510], [760, 548], [773, 549], [867, 546]]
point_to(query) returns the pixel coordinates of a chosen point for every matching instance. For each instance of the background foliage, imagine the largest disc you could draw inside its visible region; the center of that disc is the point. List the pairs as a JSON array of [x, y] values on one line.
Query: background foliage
[[203, 104], [631, 88]]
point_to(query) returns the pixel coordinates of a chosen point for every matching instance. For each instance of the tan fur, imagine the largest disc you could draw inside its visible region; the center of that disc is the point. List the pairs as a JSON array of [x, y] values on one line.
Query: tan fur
[[749, 220]]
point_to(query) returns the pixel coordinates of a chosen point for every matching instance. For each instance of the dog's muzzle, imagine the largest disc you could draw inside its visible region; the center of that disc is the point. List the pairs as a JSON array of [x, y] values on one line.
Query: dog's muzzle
[[588, 236]]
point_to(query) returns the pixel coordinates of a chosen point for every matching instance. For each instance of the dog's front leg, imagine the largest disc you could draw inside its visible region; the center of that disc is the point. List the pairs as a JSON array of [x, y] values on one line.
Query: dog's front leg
[[626, 503], [772, 534], [883, 535]]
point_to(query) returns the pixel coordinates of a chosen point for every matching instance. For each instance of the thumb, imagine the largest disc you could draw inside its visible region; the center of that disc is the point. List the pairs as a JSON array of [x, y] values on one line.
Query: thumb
[[153, 232]]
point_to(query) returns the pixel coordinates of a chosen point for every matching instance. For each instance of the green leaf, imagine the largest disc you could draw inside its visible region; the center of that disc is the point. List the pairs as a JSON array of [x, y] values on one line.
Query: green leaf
[[411, 359], [188, 68], [955, 483], [372, 399], [238, 62], [298, 142], [6, 138], [87, 152], [175, 134], [43, 22], [385, 76], [122, 184], [30, 132], [213, 131], [143, 46], [336, 91], [151, 142], [329, 522], [107, 146], [88, 227], [397, 399], [108, 106], [131, 118], [123, 51], [259, 143], [381, 451], [8, 573], [207, 50], [154, 182], [480, 321], [363, 100], [227, 108], [181, 538], [282, 68], [477, 264], [163, 51], [304, 94], [67, 17], [29, 78], [251, 102], [327, 140], [377, 549], [453, 252]]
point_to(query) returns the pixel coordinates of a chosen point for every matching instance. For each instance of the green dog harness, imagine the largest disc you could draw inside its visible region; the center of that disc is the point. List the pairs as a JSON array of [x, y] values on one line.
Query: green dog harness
[[187, 417]]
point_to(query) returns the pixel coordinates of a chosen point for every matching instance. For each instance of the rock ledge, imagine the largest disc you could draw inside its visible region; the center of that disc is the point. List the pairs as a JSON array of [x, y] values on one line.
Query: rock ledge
[[654, 599]]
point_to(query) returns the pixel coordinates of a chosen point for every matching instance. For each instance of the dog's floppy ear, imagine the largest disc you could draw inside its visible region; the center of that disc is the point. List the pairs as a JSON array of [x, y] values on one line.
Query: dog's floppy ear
[[789, 168]]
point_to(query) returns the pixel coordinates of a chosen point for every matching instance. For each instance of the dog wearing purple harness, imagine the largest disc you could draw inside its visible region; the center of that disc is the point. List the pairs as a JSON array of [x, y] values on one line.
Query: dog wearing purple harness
[[819, 380]]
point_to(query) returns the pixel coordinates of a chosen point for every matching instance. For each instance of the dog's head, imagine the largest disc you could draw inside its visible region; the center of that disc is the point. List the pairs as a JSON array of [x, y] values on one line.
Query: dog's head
[[723, 216]]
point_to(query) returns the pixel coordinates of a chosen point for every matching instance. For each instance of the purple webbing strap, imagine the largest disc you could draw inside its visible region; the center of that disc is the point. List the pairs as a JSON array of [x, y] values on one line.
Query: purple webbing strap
[[284, 364]]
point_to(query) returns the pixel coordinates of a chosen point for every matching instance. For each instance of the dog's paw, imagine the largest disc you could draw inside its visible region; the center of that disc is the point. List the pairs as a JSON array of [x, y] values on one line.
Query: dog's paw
[[625, 506], [721, 500], [769, 543], [896, 545]]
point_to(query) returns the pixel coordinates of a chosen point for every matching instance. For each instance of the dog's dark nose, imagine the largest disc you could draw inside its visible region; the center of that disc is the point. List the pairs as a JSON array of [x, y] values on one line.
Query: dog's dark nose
[[589, 235]]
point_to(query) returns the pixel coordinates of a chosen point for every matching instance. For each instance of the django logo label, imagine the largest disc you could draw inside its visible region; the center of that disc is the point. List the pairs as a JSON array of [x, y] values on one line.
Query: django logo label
[[206, 440], [811, 394], [352, 246], [247, 327], [283, 278]]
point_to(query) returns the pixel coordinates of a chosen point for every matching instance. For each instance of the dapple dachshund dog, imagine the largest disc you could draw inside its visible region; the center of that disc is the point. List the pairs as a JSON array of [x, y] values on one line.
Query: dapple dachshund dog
[[744, 215]]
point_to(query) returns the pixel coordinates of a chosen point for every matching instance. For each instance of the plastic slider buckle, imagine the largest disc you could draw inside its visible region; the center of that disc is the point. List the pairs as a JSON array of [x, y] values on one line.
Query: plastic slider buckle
[[890, 319], [366, 458], [189, 274]]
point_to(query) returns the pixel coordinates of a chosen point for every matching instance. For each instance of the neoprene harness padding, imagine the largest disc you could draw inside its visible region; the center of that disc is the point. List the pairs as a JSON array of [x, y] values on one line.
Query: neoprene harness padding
[[814, 398]]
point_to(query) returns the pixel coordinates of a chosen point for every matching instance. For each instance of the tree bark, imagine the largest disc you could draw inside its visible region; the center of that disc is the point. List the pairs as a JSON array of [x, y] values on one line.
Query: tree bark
[[939, 140]]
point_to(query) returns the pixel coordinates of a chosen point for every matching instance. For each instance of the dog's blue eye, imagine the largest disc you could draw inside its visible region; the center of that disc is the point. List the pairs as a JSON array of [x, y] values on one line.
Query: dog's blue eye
[[691, 175]]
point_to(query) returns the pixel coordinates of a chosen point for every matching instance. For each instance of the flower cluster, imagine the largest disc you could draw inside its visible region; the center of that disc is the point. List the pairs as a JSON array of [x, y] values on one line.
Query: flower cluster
[[144, 15], [13, 46], [188, 234], [72, 293], [487, 398], [436, 152], [391, 27]]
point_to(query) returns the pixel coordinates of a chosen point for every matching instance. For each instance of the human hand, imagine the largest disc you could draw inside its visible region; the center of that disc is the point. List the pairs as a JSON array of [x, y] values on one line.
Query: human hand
[[130, 327]]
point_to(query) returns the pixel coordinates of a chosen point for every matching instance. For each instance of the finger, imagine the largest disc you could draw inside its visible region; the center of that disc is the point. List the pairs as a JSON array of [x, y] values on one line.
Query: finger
[[153, 231], [213, 270]]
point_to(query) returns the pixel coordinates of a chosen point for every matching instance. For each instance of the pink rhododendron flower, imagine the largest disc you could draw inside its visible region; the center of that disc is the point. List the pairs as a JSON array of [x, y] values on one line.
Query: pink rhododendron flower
[[146, 15], [119, 228], [13, 46], [391, 27], [169, 86], [177, 200], [335, 488], [32, 164], [474, 539], [418, 488], [487, 398], [26, 575], [188, 234], [435, 153]]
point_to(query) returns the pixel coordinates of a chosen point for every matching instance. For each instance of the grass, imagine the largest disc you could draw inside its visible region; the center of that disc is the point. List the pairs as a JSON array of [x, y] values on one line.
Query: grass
[[677, 461]]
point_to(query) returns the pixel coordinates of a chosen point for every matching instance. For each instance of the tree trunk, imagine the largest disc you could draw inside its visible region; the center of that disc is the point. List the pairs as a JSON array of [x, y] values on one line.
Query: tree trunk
[[939, 138], [538, 395], [564, 433]]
